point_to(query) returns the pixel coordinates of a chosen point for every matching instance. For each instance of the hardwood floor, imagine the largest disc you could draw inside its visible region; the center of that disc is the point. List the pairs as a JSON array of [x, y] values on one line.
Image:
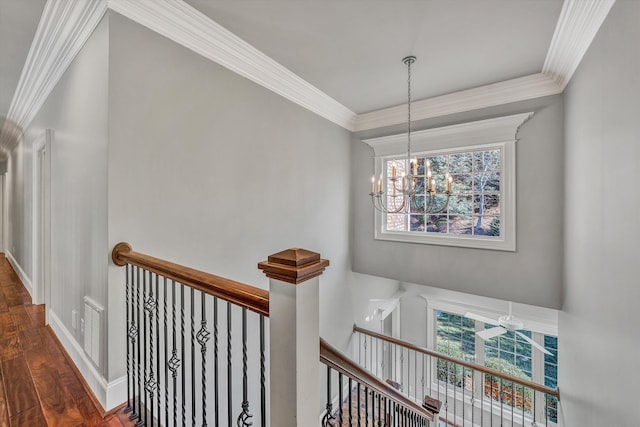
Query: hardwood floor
[[38, 386]]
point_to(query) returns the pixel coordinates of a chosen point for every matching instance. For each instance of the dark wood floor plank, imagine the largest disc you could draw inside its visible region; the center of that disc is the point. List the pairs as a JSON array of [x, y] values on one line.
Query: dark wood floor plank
[[21, 393], [30, 418], [4, 408], [10, 346], [59, 408], [38, 386]]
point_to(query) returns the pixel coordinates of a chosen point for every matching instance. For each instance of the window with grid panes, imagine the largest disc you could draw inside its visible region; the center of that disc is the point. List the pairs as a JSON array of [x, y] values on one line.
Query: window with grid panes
[[474, 204], [480, 157], [455, 337]]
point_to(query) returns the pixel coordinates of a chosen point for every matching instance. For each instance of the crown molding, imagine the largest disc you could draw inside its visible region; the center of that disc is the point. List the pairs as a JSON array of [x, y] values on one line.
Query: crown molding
[[66, 25], [190, 28], [577, 26], [496, 130], [520, 89], [62, 31]]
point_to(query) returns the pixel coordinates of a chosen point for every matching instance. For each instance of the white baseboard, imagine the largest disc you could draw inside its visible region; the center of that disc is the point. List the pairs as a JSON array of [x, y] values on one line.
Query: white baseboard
[[26, 281], [109, 394]]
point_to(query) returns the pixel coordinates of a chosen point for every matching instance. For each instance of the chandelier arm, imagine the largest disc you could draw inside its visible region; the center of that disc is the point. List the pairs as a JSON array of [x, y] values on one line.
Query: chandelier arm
[[445, 206], [378, 204]]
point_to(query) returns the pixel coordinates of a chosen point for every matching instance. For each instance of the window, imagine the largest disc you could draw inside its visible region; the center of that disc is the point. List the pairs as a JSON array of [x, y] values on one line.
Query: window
[[507, 353], [480, 156], [474, 206]]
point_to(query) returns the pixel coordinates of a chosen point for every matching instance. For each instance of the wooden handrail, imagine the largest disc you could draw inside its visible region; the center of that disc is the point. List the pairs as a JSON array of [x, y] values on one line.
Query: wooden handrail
[[246, 296], [336, 360], [529, 384]]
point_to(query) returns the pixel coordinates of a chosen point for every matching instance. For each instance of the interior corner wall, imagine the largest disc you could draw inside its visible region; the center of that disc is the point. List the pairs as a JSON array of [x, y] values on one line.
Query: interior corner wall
[[76, 110], [212, 171], [533, 273], [599, 338]]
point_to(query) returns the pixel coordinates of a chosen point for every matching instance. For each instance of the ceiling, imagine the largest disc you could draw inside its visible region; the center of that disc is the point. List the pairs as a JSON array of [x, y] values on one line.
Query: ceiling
[[18, 22], [352, 49], [340, 59]]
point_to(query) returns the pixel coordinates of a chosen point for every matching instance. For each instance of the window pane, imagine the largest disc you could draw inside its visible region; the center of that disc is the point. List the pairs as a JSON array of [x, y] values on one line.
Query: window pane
[[461, 184], [487, 182], [486, 226], [438, 164], [460, 205], [460, 224], [437, 223], [417, 223], [484, 204], [396, 222], [460, 162], [455, 337], [486, 160]]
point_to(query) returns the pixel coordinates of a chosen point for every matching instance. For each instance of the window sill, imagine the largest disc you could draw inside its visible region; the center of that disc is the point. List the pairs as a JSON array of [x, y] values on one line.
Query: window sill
[[475, 242]]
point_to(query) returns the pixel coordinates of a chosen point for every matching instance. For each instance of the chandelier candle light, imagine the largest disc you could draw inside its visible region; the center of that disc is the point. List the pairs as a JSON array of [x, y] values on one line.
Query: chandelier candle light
[[404, 189]]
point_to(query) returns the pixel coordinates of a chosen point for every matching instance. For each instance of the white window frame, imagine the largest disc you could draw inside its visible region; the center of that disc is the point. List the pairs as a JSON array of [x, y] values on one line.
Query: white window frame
[[537, 326], [498, 133]]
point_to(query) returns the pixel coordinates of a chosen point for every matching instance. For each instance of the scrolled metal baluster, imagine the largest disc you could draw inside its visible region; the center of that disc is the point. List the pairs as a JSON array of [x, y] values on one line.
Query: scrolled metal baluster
[[158, 375], [193, 358], [143, 416], [174, 362], [263, 390], [229, 368], [245, 415], [129, 408], [350, 402], [135, 336], [203, 337], [328, 418], [150, 305], [166, 357], [216, 384], [182, 355]]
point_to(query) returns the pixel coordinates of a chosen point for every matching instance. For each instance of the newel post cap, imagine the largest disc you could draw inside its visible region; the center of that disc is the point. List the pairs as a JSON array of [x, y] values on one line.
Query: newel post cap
[[118, 250], [293, 265]]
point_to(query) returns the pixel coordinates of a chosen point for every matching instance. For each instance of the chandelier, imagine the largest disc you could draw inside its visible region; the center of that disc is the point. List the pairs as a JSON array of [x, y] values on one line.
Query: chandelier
[[403, 190]]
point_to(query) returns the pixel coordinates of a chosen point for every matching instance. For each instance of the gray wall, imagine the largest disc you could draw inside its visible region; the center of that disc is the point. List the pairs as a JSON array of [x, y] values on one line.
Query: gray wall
[[212, 171], [532, 274], [77, 111], [598, 327]]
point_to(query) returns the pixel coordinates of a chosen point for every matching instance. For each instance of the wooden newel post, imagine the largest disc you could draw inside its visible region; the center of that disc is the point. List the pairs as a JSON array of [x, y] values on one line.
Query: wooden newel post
[[294, 333]]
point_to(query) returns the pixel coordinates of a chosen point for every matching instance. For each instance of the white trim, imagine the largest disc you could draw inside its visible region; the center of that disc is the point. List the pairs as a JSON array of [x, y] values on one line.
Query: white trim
[[185, 25], [42, 218], [499, 129], [65, 26], [498, 133], [26, 281], [520, 89], [577, 26], [63, 29], [109, 394]]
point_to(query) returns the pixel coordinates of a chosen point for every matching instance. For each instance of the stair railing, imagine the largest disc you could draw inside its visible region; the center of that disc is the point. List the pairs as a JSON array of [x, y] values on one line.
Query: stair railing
[[469, 392], [195, 342]]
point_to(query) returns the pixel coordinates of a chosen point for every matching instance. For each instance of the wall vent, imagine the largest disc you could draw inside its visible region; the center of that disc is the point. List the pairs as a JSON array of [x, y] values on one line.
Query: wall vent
[[92, 327]]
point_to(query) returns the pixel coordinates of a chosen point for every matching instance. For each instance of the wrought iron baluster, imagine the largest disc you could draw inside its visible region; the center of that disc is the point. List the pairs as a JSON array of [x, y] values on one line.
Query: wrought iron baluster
[[182, 354], [129, 408], [144, 406], [340, 398], [174, 362], [328, 418], [229, 366], [216, 389], [203, 338], [263, 390], [166, 357], [244, 420], [193, 357], [137, 415], [350, 402], [158, 379], [150, 381], [366, 405], [358, 419]]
